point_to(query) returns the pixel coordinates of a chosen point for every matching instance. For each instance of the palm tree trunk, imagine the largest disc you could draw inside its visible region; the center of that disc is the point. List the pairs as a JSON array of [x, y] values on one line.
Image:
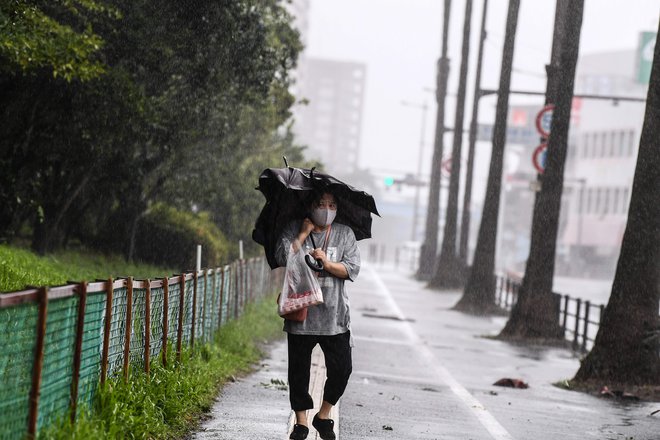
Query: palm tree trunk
[[430, 245], [536, 313], [479, 292], [626, 350], [450, 273]]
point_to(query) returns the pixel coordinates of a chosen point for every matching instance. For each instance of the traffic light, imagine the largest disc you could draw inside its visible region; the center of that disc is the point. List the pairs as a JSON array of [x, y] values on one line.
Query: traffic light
[[389, 181]]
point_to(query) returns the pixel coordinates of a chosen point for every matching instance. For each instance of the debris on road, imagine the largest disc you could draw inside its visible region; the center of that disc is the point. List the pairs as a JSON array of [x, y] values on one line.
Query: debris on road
[[511, 383]]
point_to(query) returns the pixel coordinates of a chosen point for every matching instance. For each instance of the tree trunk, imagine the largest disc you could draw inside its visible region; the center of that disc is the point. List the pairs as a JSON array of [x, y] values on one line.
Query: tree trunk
[[467, 195], [626, 350], [450, 273], [536, 314], [430, 245], [479, 294]]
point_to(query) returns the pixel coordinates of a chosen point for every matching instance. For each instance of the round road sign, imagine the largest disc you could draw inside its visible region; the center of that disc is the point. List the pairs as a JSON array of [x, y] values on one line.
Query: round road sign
[[445, 170], [539, 157], [544, 120]]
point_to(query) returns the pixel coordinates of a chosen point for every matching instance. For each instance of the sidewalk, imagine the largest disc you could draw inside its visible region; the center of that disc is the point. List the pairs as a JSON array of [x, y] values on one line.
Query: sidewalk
[[423, 371]]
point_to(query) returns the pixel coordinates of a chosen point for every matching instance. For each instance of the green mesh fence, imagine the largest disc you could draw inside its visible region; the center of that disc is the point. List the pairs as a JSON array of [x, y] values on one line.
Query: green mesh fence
[[92, 343], [117, 332], [187, 311], [221, 296], [173, 312], [136, 353], [58, 355], [156, 317], [229, 293], [199, 309], [16, 359]]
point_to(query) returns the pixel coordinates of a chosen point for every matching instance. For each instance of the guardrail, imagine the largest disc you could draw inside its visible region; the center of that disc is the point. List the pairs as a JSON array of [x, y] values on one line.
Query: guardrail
[[61, 342], [576, 316]]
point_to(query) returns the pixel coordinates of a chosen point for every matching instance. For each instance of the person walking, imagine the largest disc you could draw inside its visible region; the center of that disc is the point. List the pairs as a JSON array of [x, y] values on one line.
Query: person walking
[[326, 324]]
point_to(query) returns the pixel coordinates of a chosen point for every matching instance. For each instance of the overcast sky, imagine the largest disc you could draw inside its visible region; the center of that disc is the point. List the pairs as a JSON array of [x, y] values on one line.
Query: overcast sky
[[399, 41]]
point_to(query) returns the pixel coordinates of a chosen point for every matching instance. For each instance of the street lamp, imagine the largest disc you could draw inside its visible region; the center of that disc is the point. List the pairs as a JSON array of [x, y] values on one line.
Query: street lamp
[[423, 107]]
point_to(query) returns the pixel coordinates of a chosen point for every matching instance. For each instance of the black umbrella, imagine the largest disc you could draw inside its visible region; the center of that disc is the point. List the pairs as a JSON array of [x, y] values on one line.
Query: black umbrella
[[288, 193]]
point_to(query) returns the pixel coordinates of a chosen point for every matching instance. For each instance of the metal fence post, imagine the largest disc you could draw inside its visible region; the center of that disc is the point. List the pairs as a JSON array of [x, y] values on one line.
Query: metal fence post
[[194, 311], [106, 330], [204, 335], [128, 326], [166, 311], [77, 352], [214, 286], [179, 331], [587, 306], [563, 326], [578, 306], [237, 288], [147, 327], [37, 367], [222, 296]]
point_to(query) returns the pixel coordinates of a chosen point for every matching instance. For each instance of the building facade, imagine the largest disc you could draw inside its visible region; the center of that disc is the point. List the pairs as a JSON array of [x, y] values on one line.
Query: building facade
[[330, 123]]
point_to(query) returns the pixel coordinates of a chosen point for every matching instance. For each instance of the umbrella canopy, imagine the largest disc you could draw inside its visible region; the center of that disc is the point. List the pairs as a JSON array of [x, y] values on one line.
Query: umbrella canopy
[[288, 193]]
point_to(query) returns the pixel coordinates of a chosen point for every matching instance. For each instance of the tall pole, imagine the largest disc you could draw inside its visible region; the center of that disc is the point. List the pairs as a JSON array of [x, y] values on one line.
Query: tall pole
[[449, 272], [467, 195], [430, 245], [418, 177], [424, 107]]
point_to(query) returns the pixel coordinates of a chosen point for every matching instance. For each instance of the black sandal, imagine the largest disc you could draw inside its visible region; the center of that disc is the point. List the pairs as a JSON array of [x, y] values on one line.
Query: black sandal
[[324, 427], [299, 432]]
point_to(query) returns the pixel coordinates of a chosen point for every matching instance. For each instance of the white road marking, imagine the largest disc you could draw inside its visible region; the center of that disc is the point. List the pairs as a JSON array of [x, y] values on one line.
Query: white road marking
[[488, 421]]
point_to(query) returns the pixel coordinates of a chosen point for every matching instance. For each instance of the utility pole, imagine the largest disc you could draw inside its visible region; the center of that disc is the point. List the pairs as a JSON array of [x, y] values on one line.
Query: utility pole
[[423, 107], [467, 195], [430, 245], [449, 272]]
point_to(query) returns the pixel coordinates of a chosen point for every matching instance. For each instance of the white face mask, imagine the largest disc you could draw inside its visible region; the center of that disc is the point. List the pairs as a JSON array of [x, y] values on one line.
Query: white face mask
[[323, 216]]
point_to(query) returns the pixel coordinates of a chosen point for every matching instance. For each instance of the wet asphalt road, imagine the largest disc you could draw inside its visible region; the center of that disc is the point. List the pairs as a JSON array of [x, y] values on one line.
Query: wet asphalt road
[[423, 371]]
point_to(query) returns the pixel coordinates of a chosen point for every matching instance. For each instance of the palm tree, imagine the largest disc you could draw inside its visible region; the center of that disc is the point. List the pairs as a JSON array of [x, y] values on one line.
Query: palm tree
[[450, 272], [536, 313], [480, 287], [626, 350]]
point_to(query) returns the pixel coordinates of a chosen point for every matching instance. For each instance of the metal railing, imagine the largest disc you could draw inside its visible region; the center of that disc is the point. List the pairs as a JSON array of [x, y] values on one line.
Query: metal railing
[[576, 316], [60, 342]]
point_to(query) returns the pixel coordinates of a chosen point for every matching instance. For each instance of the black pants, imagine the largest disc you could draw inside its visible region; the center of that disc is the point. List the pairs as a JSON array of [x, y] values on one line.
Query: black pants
[[338, 363]]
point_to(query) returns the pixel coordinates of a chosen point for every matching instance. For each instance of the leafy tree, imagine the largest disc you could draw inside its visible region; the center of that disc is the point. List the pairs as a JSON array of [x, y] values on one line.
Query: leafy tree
[[33, 35], [626, 350], [187, 86]]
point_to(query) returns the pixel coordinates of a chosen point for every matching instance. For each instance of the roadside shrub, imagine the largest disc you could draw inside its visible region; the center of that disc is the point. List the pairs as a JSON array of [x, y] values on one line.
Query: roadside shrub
[[167, 236]]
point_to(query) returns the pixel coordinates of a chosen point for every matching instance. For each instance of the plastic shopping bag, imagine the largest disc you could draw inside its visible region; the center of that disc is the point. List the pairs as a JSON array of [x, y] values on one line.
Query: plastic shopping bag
[[301, 288]]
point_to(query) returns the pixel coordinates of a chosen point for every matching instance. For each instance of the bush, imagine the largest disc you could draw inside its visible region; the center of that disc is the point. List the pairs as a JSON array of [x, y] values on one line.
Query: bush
[[167, 236]]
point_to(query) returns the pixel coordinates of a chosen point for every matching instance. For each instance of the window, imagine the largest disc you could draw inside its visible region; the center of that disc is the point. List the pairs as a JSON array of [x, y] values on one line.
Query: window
[[622, 143], [597, 201], [613, 138], [581, 200], [586, 145], [624, 207], [631, 142], [596, 146], [606, 200], [615, 200], [589, 200]]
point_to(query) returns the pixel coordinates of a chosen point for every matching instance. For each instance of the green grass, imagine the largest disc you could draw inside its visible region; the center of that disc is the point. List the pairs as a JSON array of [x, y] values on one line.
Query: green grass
[[169, 403], [20, 268]]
